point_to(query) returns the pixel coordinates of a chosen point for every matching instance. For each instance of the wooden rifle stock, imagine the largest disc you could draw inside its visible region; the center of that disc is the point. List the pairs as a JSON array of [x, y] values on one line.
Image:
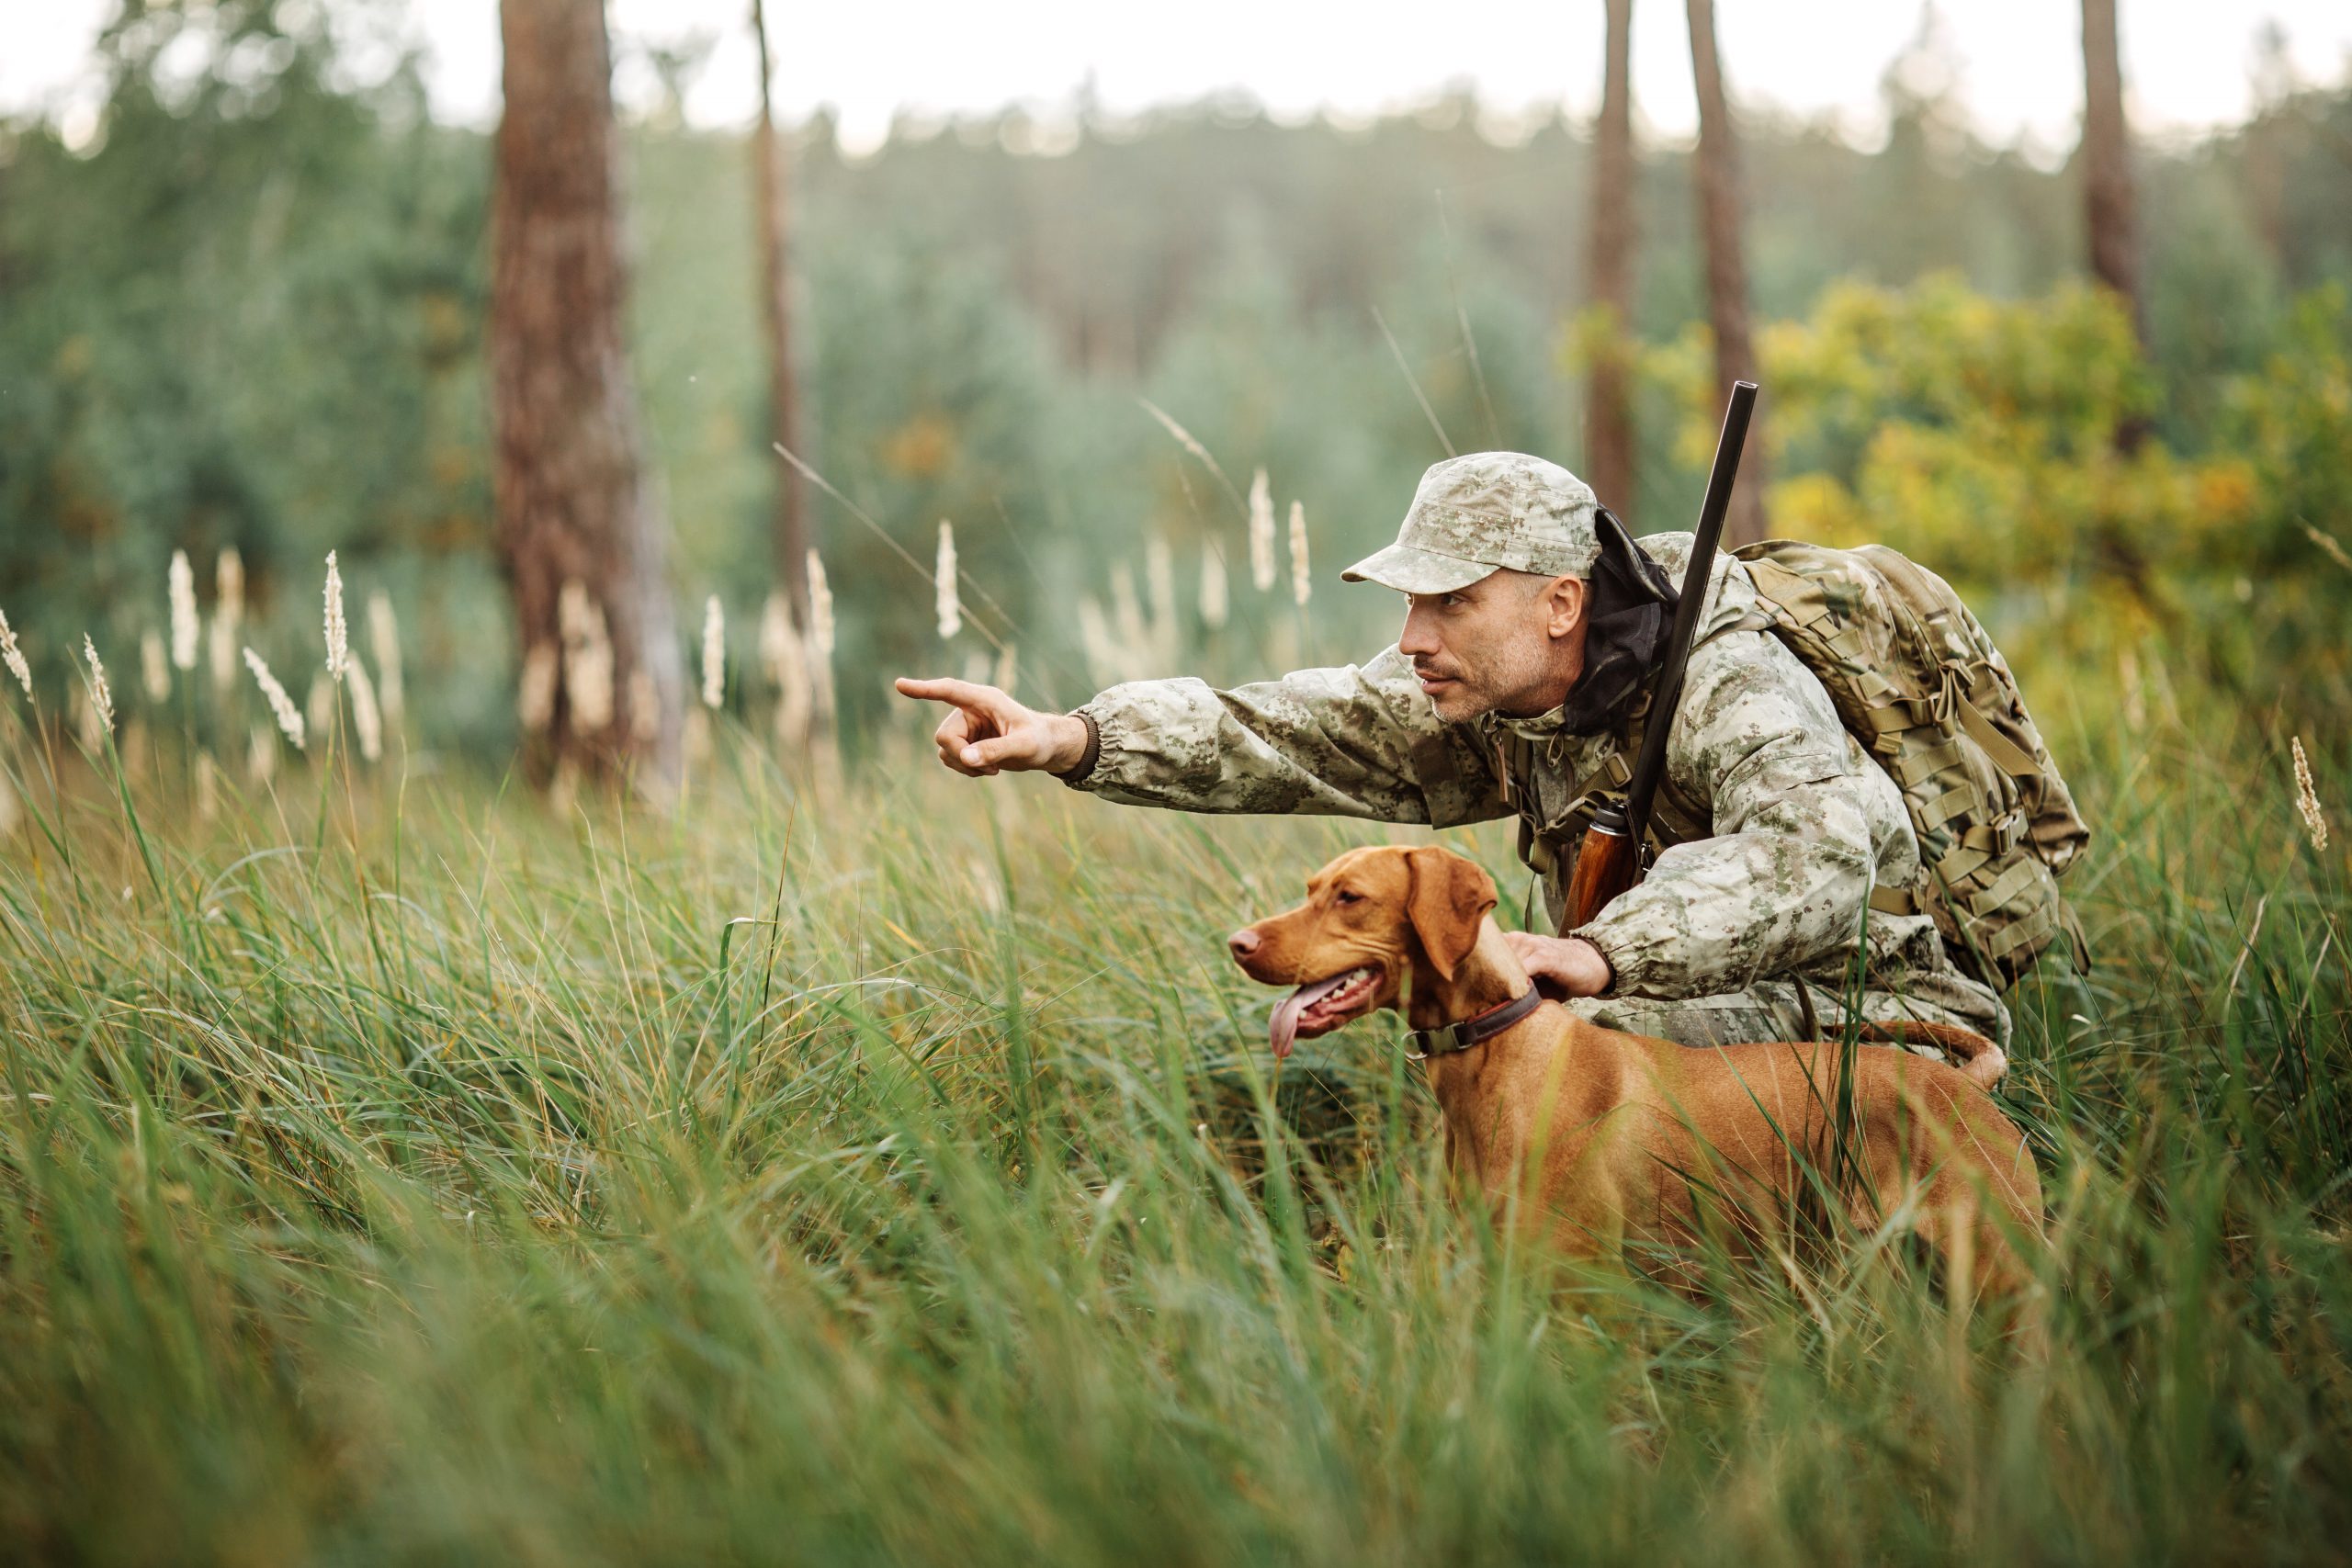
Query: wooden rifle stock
[[1606, 866], [1609, 860]]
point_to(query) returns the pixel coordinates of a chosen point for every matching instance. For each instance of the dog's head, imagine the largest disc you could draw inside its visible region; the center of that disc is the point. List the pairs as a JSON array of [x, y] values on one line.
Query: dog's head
[[1370, 917]]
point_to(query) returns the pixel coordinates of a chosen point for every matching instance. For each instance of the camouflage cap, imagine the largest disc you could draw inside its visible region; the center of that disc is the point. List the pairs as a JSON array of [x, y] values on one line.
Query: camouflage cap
[[1475, 514]]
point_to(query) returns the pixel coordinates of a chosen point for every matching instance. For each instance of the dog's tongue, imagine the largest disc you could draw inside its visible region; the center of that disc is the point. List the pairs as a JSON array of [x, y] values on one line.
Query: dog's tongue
[[1285, 1025]]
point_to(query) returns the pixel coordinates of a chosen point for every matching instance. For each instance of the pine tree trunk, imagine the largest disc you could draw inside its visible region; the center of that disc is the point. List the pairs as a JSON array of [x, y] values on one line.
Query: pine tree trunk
[[1719, 227], [789, 525], [571, 493], [2108, 209], [1609, 408]]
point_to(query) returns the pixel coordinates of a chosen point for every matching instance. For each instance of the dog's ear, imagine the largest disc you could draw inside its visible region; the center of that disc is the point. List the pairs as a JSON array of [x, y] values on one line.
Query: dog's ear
[[1450, 896]]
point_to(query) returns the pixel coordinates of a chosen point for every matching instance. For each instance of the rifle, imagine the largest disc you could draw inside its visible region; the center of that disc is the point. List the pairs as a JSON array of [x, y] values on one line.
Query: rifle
[[1609, 861]]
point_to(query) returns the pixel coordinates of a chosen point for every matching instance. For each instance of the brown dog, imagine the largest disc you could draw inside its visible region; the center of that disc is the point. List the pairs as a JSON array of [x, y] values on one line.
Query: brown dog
[[1605, 1137]]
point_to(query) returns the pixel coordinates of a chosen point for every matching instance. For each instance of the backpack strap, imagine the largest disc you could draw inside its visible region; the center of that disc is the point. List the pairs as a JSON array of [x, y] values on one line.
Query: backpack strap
[[2007, 754], [1893, 900]]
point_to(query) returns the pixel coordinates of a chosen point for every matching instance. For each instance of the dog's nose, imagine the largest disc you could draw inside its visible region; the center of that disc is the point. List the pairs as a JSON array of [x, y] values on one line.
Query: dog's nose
[[1243, 943]]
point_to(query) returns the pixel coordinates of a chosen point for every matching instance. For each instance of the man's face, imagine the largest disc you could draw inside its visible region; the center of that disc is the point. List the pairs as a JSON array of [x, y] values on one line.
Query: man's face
[[1512, 642]]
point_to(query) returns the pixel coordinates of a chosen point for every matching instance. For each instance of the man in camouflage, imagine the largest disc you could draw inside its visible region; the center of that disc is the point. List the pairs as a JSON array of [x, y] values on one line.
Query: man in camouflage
[[1499, 699]]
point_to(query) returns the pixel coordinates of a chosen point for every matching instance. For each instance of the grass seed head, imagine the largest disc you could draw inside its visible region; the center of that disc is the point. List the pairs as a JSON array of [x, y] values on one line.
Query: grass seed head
[[714, 653], [366, 718], [785, 655], [1102, 660], [289, 718], [950, 607], [15, 656], [2329, 546], [1262, 532], [337, 633], [184, 618], [1126, 611], [229, 585], [228, 615], [2307, 800], [821, 609], [101, 695], [261, 748], [1159, 586], [1214, 607], [384, 642], [1301, 586], [154, 668], [777, 635]]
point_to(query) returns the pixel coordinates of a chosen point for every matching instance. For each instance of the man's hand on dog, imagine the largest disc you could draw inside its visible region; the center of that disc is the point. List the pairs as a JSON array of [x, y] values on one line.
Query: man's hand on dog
[[1561, 965], [986, 733]]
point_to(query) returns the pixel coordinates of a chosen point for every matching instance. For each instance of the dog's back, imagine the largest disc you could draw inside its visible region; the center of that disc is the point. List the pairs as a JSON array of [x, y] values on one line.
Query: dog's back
[[1755, 1130]]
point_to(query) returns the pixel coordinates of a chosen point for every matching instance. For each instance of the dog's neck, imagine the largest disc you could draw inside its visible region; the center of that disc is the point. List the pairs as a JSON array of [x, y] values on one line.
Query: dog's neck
[[1489, 977], [1486, 1124]]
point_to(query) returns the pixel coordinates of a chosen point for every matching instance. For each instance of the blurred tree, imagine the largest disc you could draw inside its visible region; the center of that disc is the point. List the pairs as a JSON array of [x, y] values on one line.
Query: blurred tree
[[601, 674], [1608, 407], [1719, 221], [2109, 210], [770, 175]]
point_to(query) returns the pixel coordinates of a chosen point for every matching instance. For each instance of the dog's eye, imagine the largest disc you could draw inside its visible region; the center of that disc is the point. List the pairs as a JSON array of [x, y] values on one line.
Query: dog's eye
[[1348, 896]]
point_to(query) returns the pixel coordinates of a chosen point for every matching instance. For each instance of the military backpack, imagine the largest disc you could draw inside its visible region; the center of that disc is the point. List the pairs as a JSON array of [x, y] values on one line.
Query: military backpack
[[1918, 683], [1920, 686]]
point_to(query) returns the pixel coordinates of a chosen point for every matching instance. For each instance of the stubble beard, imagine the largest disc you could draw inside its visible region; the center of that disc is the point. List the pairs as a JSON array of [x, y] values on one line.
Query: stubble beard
[[1516, 689]]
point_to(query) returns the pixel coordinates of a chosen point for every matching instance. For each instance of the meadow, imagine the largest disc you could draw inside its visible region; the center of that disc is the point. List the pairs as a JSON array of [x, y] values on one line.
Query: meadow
[[868, 1165]]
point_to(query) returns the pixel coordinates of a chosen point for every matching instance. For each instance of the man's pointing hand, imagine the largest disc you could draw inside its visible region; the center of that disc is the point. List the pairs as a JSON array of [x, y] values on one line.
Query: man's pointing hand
[[986, 732]]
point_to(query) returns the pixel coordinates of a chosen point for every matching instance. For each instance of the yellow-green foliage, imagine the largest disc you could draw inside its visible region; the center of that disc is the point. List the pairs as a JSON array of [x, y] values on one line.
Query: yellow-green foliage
[[1985, 436], [2293, 423]]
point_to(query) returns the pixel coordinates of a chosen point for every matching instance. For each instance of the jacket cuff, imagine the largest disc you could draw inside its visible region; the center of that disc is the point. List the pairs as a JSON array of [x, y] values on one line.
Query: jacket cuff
[[1084, 767], [1618, 954]]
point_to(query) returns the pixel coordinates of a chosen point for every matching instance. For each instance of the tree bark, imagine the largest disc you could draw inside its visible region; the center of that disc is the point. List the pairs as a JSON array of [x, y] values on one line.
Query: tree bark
[[2109, 211], [1719, 226], [572, 497], [789, 525], [1609, 408]]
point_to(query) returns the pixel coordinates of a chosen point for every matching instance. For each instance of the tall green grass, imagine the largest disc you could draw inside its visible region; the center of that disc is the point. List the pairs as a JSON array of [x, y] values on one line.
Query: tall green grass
[[395, 1171]]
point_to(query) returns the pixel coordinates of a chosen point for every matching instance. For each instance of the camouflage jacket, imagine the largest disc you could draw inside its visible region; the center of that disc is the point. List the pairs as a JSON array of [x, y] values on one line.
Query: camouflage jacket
[[1776, 824]]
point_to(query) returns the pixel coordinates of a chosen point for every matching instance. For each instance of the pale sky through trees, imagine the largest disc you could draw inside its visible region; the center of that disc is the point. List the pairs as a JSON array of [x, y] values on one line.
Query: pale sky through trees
[[2190, 63]]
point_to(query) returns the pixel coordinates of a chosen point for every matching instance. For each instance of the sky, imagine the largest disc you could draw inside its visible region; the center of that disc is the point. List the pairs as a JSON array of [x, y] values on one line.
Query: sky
[[2187, 64]]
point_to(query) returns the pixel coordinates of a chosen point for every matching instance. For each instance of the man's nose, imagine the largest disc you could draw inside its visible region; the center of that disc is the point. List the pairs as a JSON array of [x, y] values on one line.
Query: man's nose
[[1416, 638], [1243, 943]]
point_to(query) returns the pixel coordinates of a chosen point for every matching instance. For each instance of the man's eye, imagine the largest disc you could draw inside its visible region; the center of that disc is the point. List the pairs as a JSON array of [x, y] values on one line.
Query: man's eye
[[1348, 896]]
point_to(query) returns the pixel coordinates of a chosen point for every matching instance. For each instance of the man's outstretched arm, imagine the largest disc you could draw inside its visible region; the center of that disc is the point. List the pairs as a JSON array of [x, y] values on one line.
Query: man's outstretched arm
[[986, 732], [1347, 742]]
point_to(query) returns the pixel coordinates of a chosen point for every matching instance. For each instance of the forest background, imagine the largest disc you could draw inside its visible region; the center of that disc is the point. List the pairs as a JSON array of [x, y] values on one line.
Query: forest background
[[399, 1163], [252, 314]]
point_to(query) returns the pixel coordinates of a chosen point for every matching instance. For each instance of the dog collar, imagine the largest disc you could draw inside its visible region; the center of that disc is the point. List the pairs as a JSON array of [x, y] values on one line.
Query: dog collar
[[1423, 1043]]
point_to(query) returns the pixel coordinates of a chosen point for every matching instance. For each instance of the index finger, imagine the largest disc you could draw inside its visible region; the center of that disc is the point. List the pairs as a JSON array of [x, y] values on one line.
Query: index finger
[[963, 694]]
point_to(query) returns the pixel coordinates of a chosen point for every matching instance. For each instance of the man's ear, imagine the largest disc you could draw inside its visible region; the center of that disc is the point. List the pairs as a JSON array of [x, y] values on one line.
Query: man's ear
[[1450, 896], [1565, 602]]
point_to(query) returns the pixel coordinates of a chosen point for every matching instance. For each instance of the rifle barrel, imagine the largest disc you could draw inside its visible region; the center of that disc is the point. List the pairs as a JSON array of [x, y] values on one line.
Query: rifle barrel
[[1650, 766]]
